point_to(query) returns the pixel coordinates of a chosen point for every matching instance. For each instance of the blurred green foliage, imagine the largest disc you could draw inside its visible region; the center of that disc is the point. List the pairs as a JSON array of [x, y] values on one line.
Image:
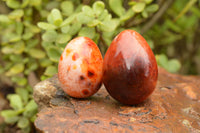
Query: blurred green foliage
[[35, 32], [177, 35]]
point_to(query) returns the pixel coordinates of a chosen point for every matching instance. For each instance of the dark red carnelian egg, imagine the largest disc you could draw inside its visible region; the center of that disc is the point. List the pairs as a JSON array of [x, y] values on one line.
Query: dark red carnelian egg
[[80, 68], [129, 69]]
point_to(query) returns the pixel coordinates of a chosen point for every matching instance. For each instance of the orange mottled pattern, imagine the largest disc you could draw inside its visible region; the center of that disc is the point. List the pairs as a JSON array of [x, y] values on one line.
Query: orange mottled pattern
[[80, 70], [61, 57], [93, 61], [68, 51], [75, 56]]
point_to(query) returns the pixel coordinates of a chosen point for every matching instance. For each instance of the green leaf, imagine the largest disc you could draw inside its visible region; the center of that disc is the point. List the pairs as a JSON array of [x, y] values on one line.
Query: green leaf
[[21, 81], [117, 7], [63, 38], [96, 38], [11, 37], [173, 26], [15, 58], [98, 7], [7, 49], [50, 71], [129, 14], [28, 12], [36, 53], [25, 3], [23, 93], [104, 15], [83, 18], [19, 28], [43, 77], [87, 32], [8, 66], [35, 2], [30, 109], [152, 8], [16, 14], [57, 17], [87, 13], [78, 8], [23, 122], [15, 101], [52, 4], [54, 53], [13, 4], [27, 129], [148, 1], [110, 25], [171, 38], [65, 29], [144, 14], [173, 65], [67, 7], [74, 28], [189, 24], [32, 119], [94, 23], [27, 35], [29, 88], [50, 19], [49, 36], [68, 20], [108, 17], [45, 62], [139, 7], [4, 19], [131, 3], [108, 36], [10, 116], [31, 43], [32, 28], [46, 45], [25, 60], [61, 45], [17, 68], [87, 10], [46, 26], [15, 38], [162, 60], [31, 66], [194, 10], [19, 47]]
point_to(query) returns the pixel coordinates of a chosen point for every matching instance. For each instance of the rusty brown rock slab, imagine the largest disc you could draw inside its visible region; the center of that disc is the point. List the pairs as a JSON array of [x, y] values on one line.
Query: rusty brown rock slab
[[173, 107]]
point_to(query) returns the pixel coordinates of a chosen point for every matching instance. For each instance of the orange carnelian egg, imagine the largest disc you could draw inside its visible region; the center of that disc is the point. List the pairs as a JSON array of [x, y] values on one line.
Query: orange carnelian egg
[[80, 68], [129, 69]]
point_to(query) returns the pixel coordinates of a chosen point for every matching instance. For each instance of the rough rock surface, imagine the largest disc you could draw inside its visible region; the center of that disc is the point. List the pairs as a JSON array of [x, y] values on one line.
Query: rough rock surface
[[173, 107]]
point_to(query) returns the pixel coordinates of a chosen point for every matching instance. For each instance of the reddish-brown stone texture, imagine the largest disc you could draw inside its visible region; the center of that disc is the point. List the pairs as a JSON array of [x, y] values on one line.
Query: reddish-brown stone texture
[[129, 68], [173, 107]]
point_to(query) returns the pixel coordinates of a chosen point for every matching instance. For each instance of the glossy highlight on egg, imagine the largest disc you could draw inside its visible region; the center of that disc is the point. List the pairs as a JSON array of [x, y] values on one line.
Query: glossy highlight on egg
[[129, 69], [80, 68]]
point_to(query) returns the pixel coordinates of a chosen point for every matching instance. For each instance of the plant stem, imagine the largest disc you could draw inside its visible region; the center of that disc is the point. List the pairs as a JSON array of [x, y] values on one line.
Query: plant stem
[[102, 44], [157, 16]]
